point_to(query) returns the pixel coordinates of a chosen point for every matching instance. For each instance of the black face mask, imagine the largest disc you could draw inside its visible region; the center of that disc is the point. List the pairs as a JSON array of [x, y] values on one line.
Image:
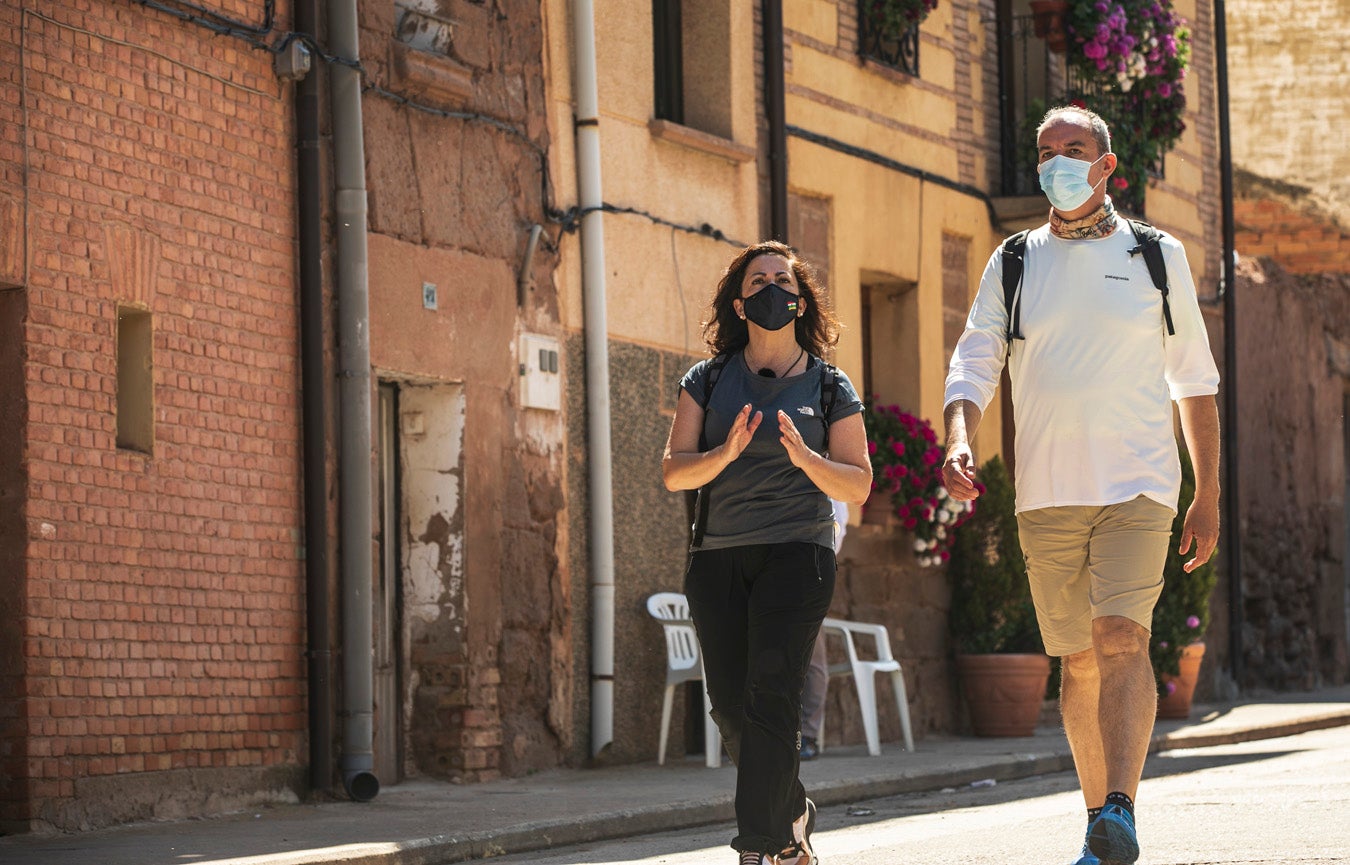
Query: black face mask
[[772, 307]]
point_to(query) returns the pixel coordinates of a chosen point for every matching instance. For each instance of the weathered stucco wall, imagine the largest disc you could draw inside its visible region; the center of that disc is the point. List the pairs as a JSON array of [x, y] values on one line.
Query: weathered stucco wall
[[1287, 77], [452, 201]]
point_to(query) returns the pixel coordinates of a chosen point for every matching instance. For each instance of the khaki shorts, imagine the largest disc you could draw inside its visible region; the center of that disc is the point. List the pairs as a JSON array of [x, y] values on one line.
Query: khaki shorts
[[1093, 561]]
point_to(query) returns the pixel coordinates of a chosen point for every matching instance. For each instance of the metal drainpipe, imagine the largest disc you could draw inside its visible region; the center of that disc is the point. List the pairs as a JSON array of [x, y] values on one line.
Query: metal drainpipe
[[314, 411], [1232, 505], [775, 113], [354, 465], [598, 456]]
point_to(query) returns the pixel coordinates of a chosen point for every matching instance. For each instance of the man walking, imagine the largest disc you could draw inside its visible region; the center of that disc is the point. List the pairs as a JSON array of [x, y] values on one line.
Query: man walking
[[1098, 347]]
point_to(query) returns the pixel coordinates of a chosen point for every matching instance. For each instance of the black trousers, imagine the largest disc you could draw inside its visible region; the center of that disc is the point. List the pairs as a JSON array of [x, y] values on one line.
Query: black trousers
[[757, 610]]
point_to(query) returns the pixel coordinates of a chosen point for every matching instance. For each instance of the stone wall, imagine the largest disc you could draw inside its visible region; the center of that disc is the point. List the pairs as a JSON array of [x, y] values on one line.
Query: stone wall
[[1294, 373]]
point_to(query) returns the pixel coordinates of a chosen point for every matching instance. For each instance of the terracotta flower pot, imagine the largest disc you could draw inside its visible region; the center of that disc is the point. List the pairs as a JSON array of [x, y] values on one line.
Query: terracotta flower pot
[[1178, 703], [1004, 692]]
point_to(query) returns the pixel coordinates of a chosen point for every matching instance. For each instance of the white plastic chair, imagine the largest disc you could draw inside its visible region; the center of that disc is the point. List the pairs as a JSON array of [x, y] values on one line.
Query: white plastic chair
[[864, 677], [684, 663]]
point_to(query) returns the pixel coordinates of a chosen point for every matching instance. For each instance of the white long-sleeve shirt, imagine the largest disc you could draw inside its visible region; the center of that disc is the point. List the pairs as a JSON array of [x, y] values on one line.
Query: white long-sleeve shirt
[[1092, 380]]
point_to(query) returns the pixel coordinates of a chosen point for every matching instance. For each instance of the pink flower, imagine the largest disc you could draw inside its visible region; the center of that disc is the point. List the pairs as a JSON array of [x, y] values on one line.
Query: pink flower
[[1192, 622], [1162, 644], [898, 448], [1120, 182], [901, 471], [1171, 688], [911, 523], [871, 448], [1164, 90]]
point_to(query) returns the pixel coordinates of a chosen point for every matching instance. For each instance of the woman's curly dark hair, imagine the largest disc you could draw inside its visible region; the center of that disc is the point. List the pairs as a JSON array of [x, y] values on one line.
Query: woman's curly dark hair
[[725, 332]]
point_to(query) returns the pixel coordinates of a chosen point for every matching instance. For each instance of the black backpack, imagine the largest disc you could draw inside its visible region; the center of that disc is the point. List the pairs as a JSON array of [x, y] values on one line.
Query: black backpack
[[829, 389], [1014, 250]]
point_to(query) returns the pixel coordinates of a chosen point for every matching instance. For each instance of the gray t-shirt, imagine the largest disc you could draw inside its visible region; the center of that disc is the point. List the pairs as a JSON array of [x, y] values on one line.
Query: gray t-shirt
[[761, 497]]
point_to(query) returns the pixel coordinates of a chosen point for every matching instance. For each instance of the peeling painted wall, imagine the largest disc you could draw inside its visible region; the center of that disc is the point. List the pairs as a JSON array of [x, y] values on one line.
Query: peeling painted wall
[[431, 435]]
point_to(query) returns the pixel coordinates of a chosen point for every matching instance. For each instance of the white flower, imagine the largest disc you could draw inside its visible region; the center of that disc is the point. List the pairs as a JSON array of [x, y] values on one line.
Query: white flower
[[920, 545], [942, 492], [941, 533]]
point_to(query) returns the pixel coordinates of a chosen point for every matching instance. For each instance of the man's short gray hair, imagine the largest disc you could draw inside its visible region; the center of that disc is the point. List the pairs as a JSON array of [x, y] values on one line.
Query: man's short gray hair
[[1100, 131]]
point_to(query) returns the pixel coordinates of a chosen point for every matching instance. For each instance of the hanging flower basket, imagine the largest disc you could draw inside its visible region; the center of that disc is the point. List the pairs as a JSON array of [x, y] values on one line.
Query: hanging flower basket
[[1127, 60]]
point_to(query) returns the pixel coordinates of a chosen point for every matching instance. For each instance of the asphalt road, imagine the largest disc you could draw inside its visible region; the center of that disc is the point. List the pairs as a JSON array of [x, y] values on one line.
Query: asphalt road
[[1259, 803]]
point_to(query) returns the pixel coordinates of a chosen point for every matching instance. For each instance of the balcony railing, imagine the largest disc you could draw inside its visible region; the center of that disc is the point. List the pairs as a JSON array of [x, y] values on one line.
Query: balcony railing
[[873, 42]]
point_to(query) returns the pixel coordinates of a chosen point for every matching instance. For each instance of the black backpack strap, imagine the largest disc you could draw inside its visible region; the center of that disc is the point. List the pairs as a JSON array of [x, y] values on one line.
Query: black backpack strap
[[829, 392], [701, 508], [714, 373], [1014, 250], [1150, 244]]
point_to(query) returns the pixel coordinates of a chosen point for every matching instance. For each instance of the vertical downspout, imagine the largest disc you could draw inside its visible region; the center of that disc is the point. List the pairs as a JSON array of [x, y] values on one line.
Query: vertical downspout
[[598, 455], [354, 465], [775, 113], [1232, 505], [314, 410]]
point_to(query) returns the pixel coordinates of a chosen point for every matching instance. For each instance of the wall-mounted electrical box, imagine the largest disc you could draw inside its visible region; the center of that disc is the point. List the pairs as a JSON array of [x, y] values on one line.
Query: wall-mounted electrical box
[[540, 372]]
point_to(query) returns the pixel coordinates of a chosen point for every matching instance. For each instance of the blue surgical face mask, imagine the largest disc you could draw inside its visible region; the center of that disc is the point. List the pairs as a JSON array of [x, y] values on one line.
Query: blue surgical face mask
[[1064, 180], [772, 307]]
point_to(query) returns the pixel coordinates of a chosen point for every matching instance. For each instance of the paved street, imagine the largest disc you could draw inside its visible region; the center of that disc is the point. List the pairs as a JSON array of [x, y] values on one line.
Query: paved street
[[1257, 803]]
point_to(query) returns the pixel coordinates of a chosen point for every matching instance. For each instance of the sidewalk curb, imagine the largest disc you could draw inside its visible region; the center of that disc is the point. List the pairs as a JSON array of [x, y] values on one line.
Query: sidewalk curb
[[1278, 730]]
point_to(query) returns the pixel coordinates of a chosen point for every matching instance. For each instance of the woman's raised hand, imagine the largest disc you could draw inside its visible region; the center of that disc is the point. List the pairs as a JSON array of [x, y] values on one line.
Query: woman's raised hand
[[792, 441], [742, 431]]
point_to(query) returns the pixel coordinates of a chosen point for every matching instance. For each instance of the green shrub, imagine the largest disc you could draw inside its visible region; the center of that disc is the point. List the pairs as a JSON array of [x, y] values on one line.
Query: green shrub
[[991, 598], [1182, 614]]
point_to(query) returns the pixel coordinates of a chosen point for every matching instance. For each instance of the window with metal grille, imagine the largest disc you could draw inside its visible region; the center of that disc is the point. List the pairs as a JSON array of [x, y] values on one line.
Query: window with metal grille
[[875, 42]]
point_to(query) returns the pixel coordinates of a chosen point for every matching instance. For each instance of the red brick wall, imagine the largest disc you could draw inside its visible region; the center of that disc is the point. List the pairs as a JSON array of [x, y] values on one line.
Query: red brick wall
[[164, 623], [13, 487], [1301, 241]]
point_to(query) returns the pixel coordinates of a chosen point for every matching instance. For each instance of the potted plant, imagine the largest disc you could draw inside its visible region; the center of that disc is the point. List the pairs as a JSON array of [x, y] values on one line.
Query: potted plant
[[1127, 60], [907, 481], [1000, 660], [1182, 615]]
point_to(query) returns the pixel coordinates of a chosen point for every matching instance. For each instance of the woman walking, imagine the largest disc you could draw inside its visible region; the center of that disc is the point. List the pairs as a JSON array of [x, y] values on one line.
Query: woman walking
[[768, 433]]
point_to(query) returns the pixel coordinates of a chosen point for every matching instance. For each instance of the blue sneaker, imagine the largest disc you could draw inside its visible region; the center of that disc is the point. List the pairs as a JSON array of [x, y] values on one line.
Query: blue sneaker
[[1087, 857], [1111, 837]]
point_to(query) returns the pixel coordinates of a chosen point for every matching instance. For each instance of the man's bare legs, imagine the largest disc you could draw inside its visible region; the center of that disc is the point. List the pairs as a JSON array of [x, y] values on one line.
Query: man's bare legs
[[1108, 701]]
